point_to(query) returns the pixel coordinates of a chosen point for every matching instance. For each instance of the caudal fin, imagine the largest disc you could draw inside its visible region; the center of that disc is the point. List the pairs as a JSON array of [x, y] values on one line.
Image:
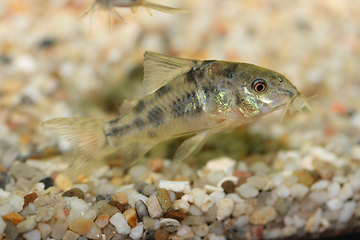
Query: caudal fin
[[88, 140], [164, 9]]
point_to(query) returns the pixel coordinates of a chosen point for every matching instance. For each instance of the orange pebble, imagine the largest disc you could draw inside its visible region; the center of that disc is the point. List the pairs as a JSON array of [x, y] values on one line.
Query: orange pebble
[[14, 218]]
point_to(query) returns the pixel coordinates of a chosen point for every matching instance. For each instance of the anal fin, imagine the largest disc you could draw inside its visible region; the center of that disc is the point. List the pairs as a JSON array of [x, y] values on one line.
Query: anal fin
[[189, 147]]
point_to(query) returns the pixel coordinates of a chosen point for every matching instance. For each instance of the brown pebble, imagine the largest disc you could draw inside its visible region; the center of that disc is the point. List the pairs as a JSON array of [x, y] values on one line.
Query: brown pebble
[[66, 212], [228, 186], [164, 200], [74, 192], [174, 214], [29, 198], [118, 205], [14, 218], [81, 225], [156, 164], [131, 217], [305, 177], [120, 197], [161, 234], [257, 231]]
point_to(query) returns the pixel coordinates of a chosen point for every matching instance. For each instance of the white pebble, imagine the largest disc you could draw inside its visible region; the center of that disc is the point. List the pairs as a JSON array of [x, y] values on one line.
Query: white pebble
[[278, 179], [16, 201], [313, 222], [259, 167], [170, 224], [247, 191], [181, 205], [133, 196], [242, 166], [79, 204], [183, 231], [346, 192], [156, 224], [194, 210], [334, 204], [3, 194], [224, 163], [94, 232], [6, 209], [339, 179], [213, 236], [241, 221], [32, 235], [200, 230], [208, 202], [348, 211], [196, 192], [225, 207], [258, 182], [333, 189], [176, 186], [273, 233], [217, 196], [319, 197], [154, 208], [299, 190], [239, 209], [210, 188], [288, 231], [323, 154], [91, 214], [2, 226], [235, 197], [137, 232], [121, 225], [283, 191], [45, 230], [319, 185]]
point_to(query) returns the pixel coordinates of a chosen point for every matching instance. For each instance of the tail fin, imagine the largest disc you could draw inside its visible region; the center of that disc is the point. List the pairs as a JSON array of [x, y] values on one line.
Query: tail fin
[[164, 9], [88, 140]]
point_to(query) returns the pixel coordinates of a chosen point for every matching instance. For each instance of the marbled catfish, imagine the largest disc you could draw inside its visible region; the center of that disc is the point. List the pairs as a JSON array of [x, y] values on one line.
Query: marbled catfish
[[186, 97]]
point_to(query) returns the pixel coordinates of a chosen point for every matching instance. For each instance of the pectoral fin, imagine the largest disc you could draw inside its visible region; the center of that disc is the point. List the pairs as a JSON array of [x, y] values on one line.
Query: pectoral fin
[[189, 147], [160, 69]]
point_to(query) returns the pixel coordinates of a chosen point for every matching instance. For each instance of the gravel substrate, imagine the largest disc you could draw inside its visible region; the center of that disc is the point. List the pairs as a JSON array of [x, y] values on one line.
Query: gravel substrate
[[268, 180]]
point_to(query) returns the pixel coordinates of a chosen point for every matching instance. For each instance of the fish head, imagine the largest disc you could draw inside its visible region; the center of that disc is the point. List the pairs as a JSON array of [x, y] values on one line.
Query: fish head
[[263, 91]]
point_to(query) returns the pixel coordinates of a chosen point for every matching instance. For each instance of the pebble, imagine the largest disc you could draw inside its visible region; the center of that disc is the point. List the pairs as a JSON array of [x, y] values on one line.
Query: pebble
[[120, 223], [247, 191], [50, 201], [48, 182], [212, 236], [259, 167], [256, 232], [79, 204], [133, 196], [4, 179], [299, 190], [164, 200], [228, 186], [217, 227], [148, 235], [70, 235], [281, 206], [334, 204], [141, 209], [194, 210], [94, 232], [154, 208], [16, 201], [258, 182], [193, 220], [346, 192], [241, 221], [148, 189], [121, 197], [181, 206], [283, 191], [171, 225], [210, 188], [6, 208], [102, 220], [148, 223], [319, 197], [81, 225], [59, 228], [2, 226], [156, 164], [109, 231], [108, 209], [137, 232], [333, 189], [224, 163], [200, 230], [348, 211], [14, 218], [178, 215], [45, 230], [131, 217], [313, 223], [225, 207], [32, 235], [161, 234], [263, 215], [27, 225], [44, 214], [29, 198], [320, 185], [106, 197], [74, 192], [11, 231], [90, 214], [83, 187], [304, 177], [118, 205], [239, 209], [288, 231], [176, 186], [183, 231]]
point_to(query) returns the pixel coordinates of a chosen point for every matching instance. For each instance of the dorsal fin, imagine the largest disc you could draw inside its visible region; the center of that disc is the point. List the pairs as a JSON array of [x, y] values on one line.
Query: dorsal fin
[[160, 69]]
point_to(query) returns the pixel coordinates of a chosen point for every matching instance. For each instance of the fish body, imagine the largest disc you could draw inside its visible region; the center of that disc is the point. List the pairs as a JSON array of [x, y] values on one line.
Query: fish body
[[110, 5], [186, 97]]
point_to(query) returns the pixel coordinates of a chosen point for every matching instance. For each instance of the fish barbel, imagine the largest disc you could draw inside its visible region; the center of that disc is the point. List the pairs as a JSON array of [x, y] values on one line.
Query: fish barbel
[[185, 97], [109, 6]]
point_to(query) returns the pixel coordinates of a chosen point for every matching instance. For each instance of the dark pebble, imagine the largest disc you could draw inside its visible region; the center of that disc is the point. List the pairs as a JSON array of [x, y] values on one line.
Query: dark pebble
[[48, 182], [4, 179], [148, 189], [29, 198], [5, 59], [140, 186], [178, 215], [161, 234], [11, 231], [106, 197], [74, 192], [228, 186], [46, 43], [118, 205], [148, 235]]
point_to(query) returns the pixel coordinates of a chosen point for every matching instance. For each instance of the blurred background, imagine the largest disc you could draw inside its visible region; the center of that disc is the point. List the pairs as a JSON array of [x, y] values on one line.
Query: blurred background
[[54, 65]]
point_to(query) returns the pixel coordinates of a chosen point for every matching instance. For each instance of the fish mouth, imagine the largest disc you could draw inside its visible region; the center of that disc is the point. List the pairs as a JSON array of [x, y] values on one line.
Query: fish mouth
[[296, 103]]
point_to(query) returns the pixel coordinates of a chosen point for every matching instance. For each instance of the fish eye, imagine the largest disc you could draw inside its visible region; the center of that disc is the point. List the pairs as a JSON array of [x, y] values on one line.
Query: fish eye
[[259, 85]]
